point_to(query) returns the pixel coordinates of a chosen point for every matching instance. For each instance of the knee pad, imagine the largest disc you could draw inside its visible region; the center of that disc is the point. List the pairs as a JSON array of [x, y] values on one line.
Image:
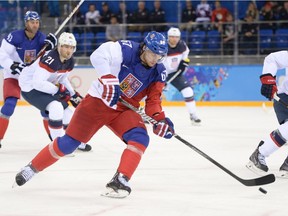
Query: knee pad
[[55, 110], [9, 106], [67, 144], [138, 135], [187, 93], [280, 135]]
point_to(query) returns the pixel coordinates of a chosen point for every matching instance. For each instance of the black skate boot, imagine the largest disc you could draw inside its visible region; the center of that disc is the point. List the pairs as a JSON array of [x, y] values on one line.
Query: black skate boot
[[283, 172], [194, 119], [118, 187], [84, 147], [257, 161], [25, 174]]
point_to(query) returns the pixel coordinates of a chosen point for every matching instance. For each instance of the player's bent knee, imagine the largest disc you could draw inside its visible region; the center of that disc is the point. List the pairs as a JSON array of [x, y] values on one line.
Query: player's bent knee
[[138, 135], [67, 144], [9, 106], [55, 110]]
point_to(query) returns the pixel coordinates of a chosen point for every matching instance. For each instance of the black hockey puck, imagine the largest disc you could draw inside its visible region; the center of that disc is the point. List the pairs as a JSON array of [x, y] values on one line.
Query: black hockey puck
[[262, 190]]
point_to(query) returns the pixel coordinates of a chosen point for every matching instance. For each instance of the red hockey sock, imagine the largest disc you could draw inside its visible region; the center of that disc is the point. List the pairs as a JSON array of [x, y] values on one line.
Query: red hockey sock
[[4, 122], [47, 156], [45, 123], [131, 158]]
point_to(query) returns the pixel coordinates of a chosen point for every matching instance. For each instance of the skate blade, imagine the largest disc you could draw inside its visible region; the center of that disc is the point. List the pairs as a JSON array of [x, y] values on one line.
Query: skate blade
[[14, 185], [70, 155], [282, 174], [195, 123], [120, 194], [255, 169]]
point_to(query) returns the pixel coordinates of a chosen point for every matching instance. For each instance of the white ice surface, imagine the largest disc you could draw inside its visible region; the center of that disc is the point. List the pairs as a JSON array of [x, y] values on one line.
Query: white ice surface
[[172, 179]]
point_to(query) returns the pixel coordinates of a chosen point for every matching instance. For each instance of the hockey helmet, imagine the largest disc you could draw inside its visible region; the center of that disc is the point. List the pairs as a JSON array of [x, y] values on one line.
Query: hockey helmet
[[156, 42], [31, 15], [174, 32], [67, 39]]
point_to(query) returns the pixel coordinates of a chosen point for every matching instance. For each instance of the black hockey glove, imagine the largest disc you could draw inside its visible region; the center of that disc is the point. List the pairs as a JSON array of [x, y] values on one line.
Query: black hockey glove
[[269, 86], [62, 93], [51, 41], [76, 99], [17, 67], [183, 66]]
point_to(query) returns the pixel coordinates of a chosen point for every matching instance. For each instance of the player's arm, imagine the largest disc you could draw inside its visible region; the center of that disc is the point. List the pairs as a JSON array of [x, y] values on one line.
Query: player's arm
[[272, 63], [6, 51]]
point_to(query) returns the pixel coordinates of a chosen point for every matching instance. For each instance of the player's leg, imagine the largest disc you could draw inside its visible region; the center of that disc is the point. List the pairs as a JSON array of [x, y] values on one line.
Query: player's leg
[[68, 113], [187, 92], [132, 130], [274, 141], [45, 123], [86, 116], [11, 94]]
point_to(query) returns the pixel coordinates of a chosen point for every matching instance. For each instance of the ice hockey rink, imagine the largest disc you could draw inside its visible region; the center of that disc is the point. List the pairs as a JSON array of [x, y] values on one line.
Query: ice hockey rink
[[172, 179]]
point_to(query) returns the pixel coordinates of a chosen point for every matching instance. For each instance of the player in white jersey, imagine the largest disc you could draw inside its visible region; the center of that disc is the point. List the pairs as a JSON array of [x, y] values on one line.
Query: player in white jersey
[[279, 137], [176, 64], [45, 85], [18, 48]]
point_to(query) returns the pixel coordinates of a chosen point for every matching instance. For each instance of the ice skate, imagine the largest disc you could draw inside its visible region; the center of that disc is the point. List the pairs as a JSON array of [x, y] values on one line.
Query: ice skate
[[25, 174], [118, 187], [194, 119], [283, 171], [257, 163], [84, 147]]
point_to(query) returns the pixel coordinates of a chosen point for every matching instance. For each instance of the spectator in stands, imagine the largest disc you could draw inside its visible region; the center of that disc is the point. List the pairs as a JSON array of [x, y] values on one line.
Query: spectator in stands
[[105, 13], [266, 15], [92, 17], [53, 6], [249, 33], [78, 19], [228, 32], [114, 31], [157, 15], [283, 15], [219, 15], [123, 15], [141, 15], [203, 15], [252, 11], [188, 17]]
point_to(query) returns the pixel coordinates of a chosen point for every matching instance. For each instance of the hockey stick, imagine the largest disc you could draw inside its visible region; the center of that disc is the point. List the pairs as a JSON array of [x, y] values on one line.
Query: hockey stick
[[277, 98], [42, 51], [247, 182], [174, 76]]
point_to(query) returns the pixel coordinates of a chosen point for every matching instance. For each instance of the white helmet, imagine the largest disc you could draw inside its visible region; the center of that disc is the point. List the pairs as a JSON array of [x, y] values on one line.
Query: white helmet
[[174, 32], [67, 39]]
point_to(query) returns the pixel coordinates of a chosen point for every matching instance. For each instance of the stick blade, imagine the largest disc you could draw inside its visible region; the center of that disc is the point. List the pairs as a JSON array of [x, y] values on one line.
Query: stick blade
[[268, 179]]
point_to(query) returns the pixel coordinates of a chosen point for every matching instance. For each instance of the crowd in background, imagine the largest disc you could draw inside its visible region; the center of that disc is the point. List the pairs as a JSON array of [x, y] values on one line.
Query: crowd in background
[[203, 15]]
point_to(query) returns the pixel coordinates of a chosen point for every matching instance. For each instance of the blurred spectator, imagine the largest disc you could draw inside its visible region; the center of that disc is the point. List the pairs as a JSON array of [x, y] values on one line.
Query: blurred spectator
[[53, 6], [78, 19], [203, 15], [123, 15], [283, 15], [266, 15], [92, 17], [228, 32], [157, 15], [252, 11], [249, 34], [114, 31], [219, 15], [188, 17], [105, 14], [141, 15]]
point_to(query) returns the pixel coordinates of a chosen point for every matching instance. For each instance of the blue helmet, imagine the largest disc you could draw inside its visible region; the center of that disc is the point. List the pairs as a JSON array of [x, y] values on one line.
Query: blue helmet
[[31, 15], [156, 42]]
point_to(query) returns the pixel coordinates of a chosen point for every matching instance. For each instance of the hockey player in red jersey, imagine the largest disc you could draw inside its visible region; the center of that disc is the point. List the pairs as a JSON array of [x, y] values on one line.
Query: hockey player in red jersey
[[133, 71]]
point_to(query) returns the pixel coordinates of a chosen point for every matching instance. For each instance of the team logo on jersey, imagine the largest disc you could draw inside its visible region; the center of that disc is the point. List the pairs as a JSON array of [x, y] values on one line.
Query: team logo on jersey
[[174, 62], [130, 85], [29, 56]]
